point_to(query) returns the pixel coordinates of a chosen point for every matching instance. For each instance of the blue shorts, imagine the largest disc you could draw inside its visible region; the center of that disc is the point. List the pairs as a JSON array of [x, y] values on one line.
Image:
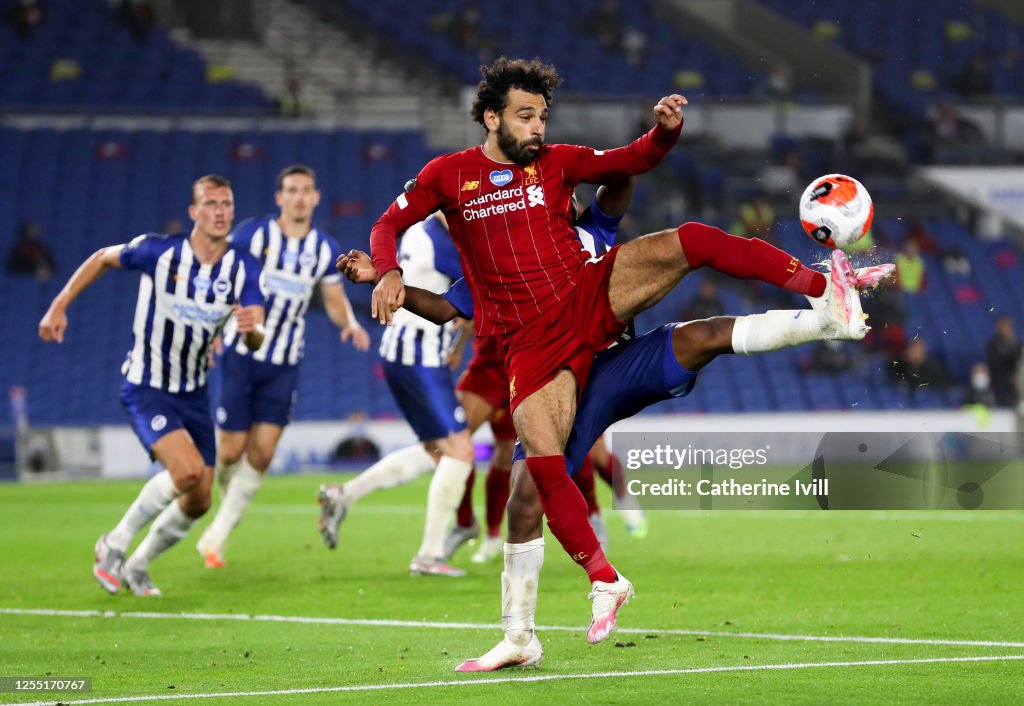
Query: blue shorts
[[155, 413], [624, 380], [426, 397], [254, 391]]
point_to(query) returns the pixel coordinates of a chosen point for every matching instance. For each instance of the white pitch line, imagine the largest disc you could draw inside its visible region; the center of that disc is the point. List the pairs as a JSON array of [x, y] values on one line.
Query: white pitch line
[[539, 678], [370, 622]]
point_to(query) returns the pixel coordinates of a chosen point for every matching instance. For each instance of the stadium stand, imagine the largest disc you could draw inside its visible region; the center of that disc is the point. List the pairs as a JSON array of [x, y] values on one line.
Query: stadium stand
[[643, 57], [919, 49], [79, 57], [91, 188]]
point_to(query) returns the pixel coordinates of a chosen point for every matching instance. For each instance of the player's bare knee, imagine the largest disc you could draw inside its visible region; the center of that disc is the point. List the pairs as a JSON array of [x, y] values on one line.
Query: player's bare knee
[[228, 455], [188, 474], [260, 457], [231, 446], [458, 446]]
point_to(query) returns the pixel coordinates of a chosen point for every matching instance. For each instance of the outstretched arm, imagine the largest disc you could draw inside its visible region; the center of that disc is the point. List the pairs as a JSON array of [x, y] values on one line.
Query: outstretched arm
[[639, 156], [434, 308], [55, 321]]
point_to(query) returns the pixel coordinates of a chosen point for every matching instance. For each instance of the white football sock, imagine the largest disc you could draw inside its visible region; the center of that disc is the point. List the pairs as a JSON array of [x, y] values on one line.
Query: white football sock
[[397, 468], [223, 472], [155, 495], [241, 490], [519, 582], [167, 530], [443, 498], [772, 330]]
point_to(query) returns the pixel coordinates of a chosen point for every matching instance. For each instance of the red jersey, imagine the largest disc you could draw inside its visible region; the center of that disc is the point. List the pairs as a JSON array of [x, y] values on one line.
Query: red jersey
[[512, 225]]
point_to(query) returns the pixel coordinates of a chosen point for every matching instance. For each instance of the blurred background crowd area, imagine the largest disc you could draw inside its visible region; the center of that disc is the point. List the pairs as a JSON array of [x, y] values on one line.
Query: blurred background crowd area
[[110, 109]]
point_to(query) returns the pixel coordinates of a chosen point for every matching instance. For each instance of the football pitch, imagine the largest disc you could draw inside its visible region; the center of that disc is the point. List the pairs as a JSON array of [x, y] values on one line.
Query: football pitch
[[787, 607]]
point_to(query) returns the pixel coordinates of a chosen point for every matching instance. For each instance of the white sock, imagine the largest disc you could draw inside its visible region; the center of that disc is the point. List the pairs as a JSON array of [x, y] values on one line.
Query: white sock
[[223, 472], [443, 498], [772, 330], [241, 490], [397, 468], [155, 495], [519, 583], [167, 530]]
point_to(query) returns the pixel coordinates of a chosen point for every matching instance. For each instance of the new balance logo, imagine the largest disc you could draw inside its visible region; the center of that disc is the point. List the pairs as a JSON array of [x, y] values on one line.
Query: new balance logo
[[471, 185]]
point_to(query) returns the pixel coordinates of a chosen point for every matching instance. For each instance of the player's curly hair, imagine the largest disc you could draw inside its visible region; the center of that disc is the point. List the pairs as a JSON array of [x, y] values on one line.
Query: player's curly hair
[[533, 76]]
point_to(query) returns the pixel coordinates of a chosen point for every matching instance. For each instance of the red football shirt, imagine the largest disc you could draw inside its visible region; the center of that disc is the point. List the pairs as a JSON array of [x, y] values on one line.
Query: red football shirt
[[512, 225]]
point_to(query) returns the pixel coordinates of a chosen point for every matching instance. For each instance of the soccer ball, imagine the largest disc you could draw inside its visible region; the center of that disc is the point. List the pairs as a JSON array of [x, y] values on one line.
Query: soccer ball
[[836, 210]]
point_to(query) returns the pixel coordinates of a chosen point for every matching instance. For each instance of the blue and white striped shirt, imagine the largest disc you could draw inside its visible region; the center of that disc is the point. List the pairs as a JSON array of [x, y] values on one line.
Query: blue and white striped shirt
[[429, 261], [292, 268], [182, 306]]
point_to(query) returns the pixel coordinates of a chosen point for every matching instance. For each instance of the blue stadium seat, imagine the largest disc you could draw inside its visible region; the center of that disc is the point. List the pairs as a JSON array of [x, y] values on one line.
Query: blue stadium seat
[[115, 69]]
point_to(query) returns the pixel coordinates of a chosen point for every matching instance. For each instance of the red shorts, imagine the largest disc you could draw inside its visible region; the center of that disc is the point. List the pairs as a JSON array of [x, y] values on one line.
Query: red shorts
[[568, 336], [501, 424], [485, 376]]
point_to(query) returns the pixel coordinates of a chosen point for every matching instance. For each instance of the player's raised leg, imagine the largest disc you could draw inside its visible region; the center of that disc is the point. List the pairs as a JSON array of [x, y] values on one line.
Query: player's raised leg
[[395, 469], [648, 267]]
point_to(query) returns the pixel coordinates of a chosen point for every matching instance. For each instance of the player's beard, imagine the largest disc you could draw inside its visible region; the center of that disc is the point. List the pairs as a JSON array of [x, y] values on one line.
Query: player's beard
[[515, 150]]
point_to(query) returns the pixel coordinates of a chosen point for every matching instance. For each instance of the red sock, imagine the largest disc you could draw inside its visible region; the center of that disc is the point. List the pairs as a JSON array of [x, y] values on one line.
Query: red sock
[[747, 258], [497, 498], [584, 480], [464, 515], [566, 511]]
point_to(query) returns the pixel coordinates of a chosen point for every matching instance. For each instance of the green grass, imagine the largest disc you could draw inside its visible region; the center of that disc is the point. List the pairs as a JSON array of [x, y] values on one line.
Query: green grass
[[940, 575]]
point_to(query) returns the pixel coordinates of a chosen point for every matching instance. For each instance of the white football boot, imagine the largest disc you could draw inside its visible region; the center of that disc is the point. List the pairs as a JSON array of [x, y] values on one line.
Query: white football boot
[[607, 599], [333, 508], [108, 565], [840, 303], [506, 655]]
